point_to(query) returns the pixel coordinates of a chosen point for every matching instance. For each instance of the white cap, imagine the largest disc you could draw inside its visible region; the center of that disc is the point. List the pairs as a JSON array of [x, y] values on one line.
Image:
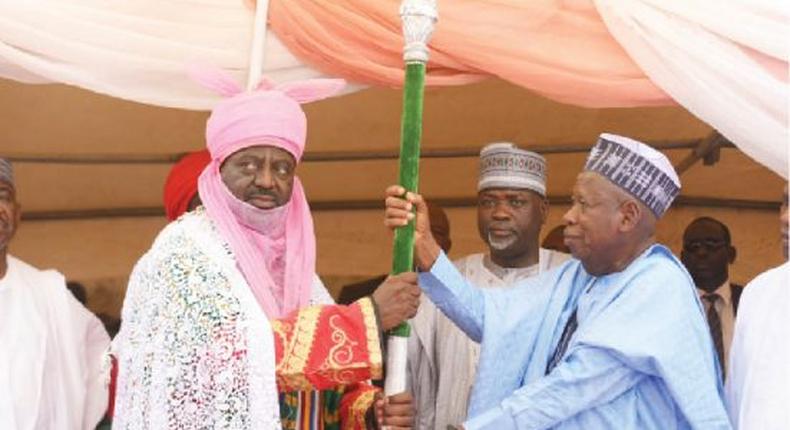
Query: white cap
[[504, 165]]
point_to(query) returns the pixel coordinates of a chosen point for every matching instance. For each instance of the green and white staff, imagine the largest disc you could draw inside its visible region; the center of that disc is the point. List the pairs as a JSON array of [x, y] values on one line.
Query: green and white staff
[[419, 19]]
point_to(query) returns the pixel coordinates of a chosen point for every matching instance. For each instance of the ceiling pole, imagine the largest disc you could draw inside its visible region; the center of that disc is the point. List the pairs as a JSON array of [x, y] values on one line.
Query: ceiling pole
[[708, 150], [329, 156], [255, 71]]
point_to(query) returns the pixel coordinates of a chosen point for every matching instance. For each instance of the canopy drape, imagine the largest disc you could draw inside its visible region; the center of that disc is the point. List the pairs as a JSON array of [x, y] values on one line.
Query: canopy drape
[[726, 62]]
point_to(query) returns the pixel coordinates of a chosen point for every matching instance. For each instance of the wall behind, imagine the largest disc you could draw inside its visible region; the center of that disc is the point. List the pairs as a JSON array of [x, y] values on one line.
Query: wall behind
[[352, 245]]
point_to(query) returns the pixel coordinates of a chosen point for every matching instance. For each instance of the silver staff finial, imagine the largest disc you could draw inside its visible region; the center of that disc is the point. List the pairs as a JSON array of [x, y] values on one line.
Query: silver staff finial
[[419, 19]]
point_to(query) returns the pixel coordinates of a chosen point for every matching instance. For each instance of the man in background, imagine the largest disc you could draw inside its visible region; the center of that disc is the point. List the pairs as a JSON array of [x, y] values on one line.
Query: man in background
[[707, 254], [758, 387], [51, 362]]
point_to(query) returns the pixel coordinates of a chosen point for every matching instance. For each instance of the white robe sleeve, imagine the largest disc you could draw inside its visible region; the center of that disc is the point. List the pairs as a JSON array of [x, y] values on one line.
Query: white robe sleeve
[[91, 344]]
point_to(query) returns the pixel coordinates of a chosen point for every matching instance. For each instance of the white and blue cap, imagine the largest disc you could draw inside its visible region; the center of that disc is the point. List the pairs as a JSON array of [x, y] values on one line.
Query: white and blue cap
[[6, 171], [505, 165], [637, 168]]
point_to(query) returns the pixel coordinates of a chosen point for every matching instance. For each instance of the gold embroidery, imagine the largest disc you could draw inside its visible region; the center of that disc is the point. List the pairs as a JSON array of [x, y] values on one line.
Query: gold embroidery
[[339, 365], [372, 332], [342, 353], [356, 414], [296, 353]]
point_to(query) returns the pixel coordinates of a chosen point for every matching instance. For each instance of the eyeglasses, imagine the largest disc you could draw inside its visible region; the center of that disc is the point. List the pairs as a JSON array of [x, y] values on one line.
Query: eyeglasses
[[707, 244]]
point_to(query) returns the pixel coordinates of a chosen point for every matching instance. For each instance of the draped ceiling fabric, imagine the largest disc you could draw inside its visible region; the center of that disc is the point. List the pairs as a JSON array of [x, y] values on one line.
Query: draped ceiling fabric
[[136, 50], [726, 62], [561, 51]]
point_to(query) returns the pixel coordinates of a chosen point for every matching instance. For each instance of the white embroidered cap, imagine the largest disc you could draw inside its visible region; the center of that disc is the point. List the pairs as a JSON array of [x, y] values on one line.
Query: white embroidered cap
[[504, 165]]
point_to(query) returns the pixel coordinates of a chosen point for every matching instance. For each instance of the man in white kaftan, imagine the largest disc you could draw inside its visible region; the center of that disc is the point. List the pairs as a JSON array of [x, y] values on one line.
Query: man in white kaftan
[[511, 211], [758, 388], [217, 316], [52, 349], [185, 289]]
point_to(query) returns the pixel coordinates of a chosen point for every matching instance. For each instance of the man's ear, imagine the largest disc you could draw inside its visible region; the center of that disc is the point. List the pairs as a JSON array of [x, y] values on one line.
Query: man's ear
[[631, 213], [732, 253]]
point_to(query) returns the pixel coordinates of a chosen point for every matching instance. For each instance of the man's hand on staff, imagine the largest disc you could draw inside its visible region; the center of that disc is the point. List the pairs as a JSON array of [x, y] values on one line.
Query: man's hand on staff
[[398, 213], [397, 299], [395, 412]]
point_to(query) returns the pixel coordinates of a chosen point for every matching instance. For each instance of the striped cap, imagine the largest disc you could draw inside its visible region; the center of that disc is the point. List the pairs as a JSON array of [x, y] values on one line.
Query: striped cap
[[636, 168]]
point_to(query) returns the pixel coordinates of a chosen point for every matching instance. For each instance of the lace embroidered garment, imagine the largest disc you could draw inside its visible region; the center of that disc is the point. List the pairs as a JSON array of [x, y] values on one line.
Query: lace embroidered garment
[[196, 351]]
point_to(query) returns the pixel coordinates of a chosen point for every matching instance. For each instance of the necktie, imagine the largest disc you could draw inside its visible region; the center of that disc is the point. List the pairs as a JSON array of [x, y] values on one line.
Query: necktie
[[714, 323]]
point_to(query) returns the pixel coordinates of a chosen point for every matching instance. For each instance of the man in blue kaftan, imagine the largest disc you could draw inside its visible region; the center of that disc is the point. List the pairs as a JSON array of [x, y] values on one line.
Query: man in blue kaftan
[[613, 339]]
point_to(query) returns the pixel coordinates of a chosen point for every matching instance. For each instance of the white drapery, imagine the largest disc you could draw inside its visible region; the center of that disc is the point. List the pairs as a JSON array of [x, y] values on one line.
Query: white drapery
[[136, 50], [726, 62]]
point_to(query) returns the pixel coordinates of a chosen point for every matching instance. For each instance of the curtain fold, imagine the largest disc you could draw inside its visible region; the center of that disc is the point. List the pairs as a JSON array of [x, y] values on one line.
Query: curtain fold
[[741, 90], [561, 50], [139, 50]]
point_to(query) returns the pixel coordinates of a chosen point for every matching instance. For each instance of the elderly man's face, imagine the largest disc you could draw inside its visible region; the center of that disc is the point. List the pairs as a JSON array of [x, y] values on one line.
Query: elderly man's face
[[509, 220], [9, 213], [262, 176], [591, 224]]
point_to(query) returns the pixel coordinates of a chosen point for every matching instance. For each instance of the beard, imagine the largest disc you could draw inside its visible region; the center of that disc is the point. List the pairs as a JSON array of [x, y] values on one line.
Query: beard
[[501, 243]]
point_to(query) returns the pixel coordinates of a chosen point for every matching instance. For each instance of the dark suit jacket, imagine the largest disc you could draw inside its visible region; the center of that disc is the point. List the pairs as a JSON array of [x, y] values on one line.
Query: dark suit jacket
[[735, 292]]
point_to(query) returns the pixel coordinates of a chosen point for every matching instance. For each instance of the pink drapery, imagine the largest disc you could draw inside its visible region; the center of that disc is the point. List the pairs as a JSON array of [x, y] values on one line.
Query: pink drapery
[[561, 50], [724, 62]]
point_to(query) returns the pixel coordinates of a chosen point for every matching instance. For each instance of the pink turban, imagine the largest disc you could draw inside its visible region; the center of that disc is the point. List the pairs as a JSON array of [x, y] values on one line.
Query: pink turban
[[273, 117]]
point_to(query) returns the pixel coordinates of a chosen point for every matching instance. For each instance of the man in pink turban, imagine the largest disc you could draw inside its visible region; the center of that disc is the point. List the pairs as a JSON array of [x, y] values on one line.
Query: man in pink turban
[[225, 310]]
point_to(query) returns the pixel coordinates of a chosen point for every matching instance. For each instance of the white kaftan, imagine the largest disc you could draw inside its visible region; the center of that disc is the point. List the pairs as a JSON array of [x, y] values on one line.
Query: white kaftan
[[53, 373]]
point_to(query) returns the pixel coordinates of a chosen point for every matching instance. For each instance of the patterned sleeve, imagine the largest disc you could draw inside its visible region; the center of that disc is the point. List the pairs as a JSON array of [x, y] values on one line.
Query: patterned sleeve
[[356, 402], [321, 347]]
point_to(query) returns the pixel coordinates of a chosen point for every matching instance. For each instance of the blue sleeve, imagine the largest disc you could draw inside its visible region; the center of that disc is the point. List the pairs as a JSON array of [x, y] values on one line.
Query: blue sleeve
[[463, 303], [586, 378]]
